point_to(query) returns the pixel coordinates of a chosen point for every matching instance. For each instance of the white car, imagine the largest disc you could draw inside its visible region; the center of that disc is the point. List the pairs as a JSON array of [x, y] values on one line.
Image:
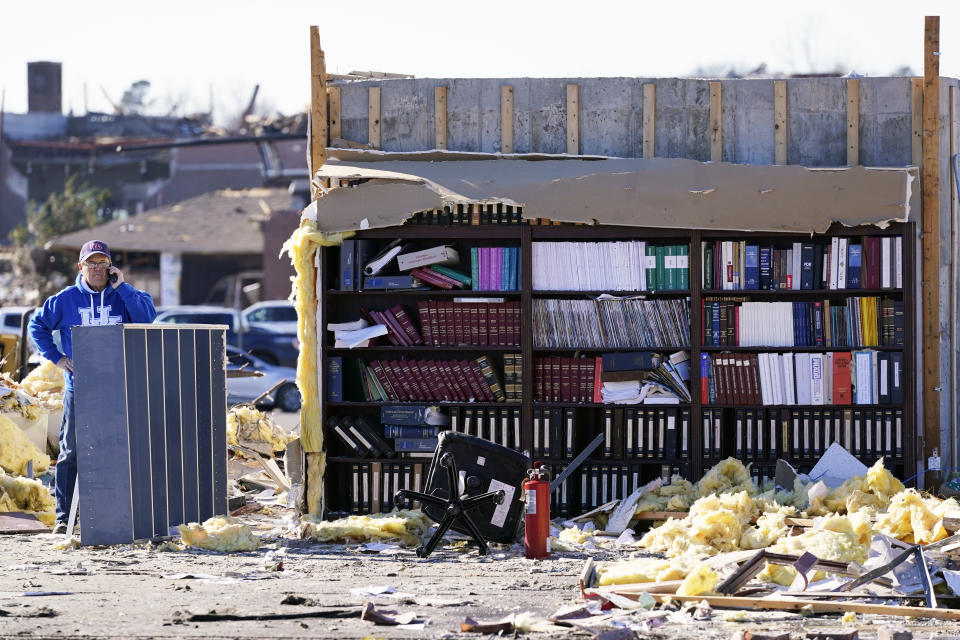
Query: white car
[[285, 397], [10, 318], [280, 315]]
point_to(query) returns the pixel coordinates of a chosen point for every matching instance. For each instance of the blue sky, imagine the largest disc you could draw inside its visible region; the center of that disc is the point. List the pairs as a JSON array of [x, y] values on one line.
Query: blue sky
[[192, 51]]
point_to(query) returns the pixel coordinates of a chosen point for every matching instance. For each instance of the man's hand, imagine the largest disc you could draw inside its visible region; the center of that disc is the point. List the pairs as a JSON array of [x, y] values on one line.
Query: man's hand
[[65, 363], [119, 274]]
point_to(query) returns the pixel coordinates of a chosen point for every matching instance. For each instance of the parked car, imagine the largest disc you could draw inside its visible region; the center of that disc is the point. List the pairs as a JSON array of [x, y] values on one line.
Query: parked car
[[286, 397], [281, 315], [10, 318], [263, 342]]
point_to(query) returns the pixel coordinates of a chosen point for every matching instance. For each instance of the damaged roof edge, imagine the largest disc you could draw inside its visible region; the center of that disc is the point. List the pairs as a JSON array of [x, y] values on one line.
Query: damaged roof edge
[[661, 192]]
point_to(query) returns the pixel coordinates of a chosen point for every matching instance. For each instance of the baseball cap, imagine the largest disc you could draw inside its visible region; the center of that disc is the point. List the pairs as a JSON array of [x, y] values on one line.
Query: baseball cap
[[94, 246]]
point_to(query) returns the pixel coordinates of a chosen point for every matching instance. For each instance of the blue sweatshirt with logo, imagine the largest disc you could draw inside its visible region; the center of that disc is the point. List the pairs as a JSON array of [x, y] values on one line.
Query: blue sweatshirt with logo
[[81, 305]]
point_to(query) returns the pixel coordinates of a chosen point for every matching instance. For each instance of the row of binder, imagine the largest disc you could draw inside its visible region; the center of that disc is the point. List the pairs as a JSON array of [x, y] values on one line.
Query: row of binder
[[802, 434], [498, 425], [600, 484], [662, 434], [370, 487]]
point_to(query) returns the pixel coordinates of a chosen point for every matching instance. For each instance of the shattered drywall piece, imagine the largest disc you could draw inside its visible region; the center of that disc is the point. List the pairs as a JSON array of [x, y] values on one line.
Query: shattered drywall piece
[[246, 424], [27, 495], [404, 525]]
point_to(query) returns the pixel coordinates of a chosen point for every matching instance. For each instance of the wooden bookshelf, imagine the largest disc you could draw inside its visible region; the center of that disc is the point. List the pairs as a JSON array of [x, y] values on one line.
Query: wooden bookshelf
[[341, 306]]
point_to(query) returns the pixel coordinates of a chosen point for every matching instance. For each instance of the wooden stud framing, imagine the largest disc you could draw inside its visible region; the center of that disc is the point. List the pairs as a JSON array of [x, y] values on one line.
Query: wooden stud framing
[[573, 119], [916, 121], [440, 117], [373, 118], [318, 107], [780, 122], [716, 122], [649, 119], [930, 240], [853, 122], [506, 118], [333, 95]]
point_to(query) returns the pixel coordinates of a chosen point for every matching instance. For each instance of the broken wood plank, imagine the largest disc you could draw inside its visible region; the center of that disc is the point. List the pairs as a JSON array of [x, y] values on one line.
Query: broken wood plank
[[440, 117], [716, 122], [780, 122], [318, 107], [506, 118], [853, 121], [373, 117], [333, 115], [573, 119], [821, 607], [19, 522], [649, 119]]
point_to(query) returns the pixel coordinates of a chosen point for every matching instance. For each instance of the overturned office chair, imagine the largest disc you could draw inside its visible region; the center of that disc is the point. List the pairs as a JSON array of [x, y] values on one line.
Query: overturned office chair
[[470, 474]]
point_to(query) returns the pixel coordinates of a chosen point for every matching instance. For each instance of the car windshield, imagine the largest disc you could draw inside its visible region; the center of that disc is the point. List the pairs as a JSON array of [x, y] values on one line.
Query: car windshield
[[199, 318], [273, 314]]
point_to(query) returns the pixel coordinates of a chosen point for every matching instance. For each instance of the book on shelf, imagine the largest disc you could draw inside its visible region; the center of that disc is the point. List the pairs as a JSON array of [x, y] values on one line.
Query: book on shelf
[[413, 415], [442, 254], [499, 425], [870, 262], [608, 322], [417, 380], [416, 444], [408, 431], [609, 266], [382, 259], [387, 282], [469, 323]]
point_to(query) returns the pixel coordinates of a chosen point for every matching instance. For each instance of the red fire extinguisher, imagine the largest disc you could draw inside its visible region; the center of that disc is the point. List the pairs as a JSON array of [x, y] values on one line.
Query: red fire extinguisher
[[537, 518]]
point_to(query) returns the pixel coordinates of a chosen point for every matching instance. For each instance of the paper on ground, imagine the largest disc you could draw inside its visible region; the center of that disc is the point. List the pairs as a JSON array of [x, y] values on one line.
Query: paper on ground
[[836, 466]]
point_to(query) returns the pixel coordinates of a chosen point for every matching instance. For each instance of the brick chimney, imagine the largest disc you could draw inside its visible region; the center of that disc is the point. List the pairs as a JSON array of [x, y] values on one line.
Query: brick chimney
[[44, 87]]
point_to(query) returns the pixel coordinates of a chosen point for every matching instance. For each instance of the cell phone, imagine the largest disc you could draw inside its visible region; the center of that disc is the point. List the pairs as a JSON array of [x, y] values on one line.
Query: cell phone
[[113, 278]]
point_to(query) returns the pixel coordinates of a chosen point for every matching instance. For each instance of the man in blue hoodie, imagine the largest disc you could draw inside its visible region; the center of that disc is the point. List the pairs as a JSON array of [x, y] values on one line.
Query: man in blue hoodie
[[99, 297]]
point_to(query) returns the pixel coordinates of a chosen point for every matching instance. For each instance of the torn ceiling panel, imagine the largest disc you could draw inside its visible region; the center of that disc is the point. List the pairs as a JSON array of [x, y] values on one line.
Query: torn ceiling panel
[[659, 192]]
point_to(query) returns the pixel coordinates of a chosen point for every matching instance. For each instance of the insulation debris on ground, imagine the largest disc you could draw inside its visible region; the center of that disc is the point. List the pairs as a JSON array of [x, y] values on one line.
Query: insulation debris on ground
[[728, 512], [45, 384], [220, 533], [17, 450], [27, 495], [402, 525], [246, 424]]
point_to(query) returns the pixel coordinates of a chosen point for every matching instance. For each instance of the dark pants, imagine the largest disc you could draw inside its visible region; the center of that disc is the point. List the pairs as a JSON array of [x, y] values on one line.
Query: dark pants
[[67, 460]]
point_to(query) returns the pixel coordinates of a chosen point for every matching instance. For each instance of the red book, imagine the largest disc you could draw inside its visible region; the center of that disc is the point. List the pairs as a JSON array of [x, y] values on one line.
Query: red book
[[555, 378], [566, 391], [436, 278], [871, 263], [842, 392], [423, 311], [402, 379], [538, 379], [375, 317], [474, 376], [460, 394], [736, 325], [597, 385], [380, 371], [586, 380], [740, 383], [755, 375], [406, 324], [443, 325], [482, 329], [434, 325], [493, 325]]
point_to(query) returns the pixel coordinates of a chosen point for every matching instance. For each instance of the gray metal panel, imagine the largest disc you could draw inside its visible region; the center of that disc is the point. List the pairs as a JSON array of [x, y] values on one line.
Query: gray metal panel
[[171, 402], [138, 419], [158, 437], [204, 425], [103, 461], [188, 425], [218, 402]]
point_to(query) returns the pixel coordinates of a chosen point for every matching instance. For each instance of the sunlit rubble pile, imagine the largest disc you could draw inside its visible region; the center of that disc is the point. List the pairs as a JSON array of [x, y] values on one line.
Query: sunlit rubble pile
[[729, 512]]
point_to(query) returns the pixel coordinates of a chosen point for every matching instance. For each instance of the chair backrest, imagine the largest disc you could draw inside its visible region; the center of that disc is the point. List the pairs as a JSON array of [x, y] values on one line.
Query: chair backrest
[[494, 467]]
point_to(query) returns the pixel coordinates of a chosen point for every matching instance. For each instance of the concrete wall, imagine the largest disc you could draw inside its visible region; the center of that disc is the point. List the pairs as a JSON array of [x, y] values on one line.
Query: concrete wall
[[611, 123], [611, 117]]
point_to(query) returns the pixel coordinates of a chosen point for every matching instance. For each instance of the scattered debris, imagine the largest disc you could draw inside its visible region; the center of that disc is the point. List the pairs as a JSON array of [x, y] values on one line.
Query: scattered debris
[[220, 533], [384, 617], [405, 525]]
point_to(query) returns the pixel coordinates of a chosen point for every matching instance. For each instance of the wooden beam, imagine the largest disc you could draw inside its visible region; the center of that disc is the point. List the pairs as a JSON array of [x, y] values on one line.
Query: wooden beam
[[573, 119], [440, 117], [333, 93], [716, 122], [930, 283], [819, 606], [373, 117], [853, 122], [506, 118], [649, 119], [780, 122], [318, 107], [916, 122]]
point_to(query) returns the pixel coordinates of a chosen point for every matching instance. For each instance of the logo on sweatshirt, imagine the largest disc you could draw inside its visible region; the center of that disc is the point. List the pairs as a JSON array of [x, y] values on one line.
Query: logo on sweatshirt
[[104, 318]]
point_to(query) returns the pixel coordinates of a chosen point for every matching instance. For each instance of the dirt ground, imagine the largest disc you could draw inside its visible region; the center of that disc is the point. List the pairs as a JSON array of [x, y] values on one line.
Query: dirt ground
[[291, 588]]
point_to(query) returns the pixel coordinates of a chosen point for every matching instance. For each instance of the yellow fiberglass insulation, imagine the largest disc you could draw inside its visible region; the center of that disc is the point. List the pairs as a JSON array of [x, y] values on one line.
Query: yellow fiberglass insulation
[[676, 496], [835, 540], [27, 495], [575, 536], [302, 248], [246, 424], [770, 527], [910, 518], [727, 476], [45, 383], [16, 450], [404, 525], [702, 580], [871, 490], [220, 533], [715, 524], [642, 570]]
